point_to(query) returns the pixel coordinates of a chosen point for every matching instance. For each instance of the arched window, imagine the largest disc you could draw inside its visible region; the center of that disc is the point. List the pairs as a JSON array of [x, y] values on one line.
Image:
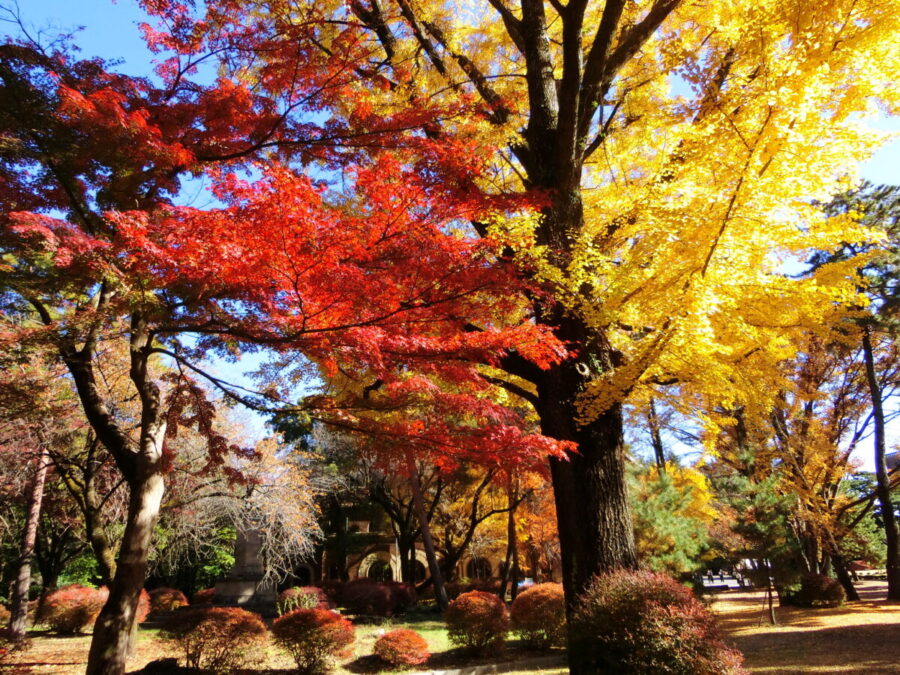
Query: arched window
[[380, 570], [419, 571]]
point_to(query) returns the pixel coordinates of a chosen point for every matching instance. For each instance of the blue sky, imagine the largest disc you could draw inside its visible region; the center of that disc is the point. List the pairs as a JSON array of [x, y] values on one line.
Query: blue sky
[[109, 29]]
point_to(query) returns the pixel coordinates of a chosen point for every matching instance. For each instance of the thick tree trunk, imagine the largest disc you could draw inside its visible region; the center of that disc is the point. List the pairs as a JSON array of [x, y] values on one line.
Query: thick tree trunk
[[440, 592], [883, 485], [19, 601], [593, 515]]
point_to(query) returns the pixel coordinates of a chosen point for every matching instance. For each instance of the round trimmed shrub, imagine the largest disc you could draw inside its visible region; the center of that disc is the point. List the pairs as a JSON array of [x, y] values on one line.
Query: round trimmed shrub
[[218, 639], [402, 647], [403, 595], [643, 623], [365, 596], [818, 590], [72, 609], [167, 599], [302, 597], [477, 620], [204, 597], [538, 614], [313, 638]]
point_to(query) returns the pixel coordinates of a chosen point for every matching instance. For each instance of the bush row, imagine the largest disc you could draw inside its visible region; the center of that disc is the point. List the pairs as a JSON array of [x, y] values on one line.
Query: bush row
[[627, 622], [226, 639]]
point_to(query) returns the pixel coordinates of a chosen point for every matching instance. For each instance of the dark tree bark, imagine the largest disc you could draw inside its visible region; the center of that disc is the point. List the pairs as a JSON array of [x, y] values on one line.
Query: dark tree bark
[[883, 483], [19, 600], [440, 592], [659, 450]]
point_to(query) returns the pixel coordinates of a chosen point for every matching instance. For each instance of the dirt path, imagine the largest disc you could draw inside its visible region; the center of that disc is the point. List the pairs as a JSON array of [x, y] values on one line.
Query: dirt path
[[860, 637]]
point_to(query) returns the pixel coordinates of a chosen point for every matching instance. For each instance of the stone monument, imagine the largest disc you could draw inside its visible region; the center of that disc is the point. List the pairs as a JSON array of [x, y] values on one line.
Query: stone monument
[[244, 586]]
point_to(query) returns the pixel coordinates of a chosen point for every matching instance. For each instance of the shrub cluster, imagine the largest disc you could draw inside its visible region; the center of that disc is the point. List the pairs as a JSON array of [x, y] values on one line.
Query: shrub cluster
[[538, 614], [313, 637], [167, 599], [818, 590], [643, 622], [218, 639], [365, 596], [72, 609], [477, 620], [204, 597], [402, 647], [334, 589], [302, 597]]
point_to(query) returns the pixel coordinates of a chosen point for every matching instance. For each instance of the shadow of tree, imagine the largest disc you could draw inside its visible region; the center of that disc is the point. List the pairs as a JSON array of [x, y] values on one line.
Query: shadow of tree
[[862, 648]]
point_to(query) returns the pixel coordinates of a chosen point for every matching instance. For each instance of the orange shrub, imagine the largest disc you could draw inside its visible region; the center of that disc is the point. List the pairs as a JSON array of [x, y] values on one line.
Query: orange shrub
[[167, 599], [477, 619], [204, 597], [72, 609], [402, 647], [219, 639], [143, 608], [313, 637], [539, 615]]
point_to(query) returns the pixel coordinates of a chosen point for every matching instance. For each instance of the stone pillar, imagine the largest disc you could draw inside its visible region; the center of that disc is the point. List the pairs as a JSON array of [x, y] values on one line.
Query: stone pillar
[[244, 586]]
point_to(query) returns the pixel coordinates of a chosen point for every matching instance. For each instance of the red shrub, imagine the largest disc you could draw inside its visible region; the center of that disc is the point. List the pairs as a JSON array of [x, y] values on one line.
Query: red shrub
[[334, 589], [539, 614], [204, 597], [477, 619], [313, 637], [72, 609], [302, 597], [404, 595], [220, 639], [364, 596], [167, 599], [638, 623], [402, 647]]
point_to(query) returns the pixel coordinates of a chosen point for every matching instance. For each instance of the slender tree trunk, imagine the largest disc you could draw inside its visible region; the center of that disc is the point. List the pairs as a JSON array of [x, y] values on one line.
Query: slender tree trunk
[[514, 590], [114, 628], [104, 554], [440, 592], [511, 542], [883, 485], [659, 451], [19, 601], [843, 576]]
